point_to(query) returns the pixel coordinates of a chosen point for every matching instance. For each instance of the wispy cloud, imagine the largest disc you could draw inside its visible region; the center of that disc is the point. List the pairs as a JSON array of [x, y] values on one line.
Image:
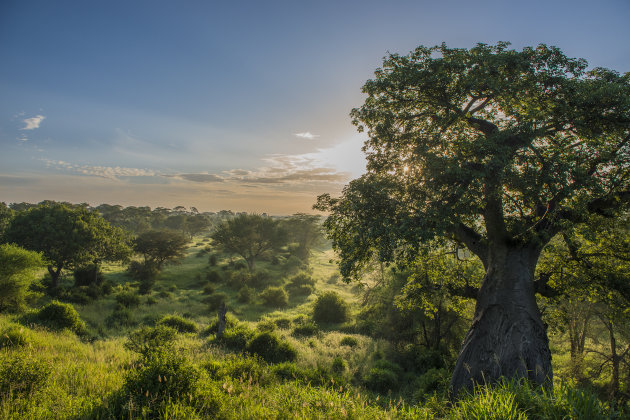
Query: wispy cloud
[[203, 177], [306, 135], [33, 123], [109, 172]]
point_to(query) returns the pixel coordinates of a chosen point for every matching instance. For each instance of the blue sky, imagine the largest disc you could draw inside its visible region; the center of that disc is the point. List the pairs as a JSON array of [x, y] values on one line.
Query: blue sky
[[237, 105]]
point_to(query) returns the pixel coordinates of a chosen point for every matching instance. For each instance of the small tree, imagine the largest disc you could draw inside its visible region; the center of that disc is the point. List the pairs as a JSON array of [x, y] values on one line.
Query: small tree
[[17, 269], [68, 237], [249, 236], [306, 231], [160, 246]]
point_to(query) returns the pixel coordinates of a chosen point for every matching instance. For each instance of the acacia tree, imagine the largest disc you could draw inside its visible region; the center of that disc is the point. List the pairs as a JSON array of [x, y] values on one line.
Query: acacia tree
[[250, 236], [67, 237], [305, 230], [499, 150]]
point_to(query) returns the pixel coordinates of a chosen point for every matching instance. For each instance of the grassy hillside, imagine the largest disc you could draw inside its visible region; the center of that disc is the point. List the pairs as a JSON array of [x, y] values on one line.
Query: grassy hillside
[[273, 362]]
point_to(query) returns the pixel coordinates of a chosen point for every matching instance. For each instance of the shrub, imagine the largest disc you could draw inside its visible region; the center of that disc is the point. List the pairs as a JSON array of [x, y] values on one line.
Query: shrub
[[208, 289], [144, 272], [86, 276], [13, 336], [381, 380], [293, 264], [284, 323], [212, 260], [339, 365], [230, 322], [433, 380], [259, 279], [275, 297], [179, 324], [148, 339], [121, 317], [239, 278], [266, 325], [151, 300], [215, 301], [214, 276], [236, 338], [302, 284], [349, 341], [330, 307], [128, 299], [271, 349], [59, 316], [21, 373], [305, 330], [245, 294], [162, 377]]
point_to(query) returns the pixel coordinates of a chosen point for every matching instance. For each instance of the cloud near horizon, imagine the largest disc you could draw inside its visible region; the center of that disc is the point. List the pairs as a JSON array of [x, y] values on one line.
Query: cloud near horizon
[[33, 123], [306, 135], [109, 172]]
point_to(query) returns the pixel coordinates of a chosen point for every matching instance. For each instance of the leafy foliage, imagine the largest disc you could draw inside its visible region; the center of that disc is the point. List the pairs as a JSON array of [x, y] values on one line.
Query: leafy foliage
[[59, 316], [329, 308], [249, 236], [68, 237], [17, 269], [179, 324], [275, 297]]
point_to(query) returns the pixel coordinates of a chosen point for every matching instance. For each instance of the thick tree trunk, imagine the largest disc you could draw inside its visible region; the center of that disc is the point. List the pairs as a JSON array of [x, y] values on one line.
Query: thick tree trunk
[[507, 337]]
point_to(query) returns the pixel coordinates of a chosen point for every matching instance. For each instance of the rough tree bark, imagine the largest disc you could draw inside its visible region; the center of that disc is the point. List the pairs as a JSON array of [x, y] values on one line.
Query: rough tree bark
[[507, 337]]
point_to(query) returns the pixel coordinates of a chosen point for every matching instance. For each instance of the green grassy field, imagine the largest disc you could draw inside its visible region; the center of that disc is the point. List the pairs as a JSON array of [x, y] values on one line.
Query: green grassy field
[[59, 375]]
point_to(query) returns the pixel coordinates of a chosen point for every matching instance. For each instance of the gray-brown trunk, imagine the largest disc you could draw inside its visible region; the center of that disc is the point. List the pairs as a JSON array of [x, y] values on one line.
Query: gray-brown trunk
[[507, 337]]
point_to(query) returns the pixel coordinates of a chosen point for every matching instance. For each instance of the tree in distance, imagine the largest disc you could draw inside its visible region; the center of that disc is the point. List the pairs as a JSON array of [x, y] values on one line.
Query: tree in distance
[[250, 236], [499, 150], [68, 237], [160, 246], [17, 268], [306, 231]]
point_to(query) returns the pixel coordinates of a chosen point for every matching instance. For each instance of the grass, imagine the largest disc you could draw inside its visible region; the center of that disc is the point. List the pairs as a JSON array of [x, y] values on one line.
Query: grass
[[87, 375]]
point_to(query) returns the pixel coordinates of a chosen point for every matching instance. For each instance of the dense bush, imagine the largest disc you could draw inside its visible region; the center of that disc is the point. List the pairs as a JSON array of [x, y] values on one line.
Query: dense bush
[[179, 324], [284, 323], [383, 376], [259, 279], [89, 275], [145, 273], [245, 294], [230, 322], [293, 264], [275, 297], [236, 339], [330, 307], [214, 276], [239, 367], [22, 373], [212, 260], [208, 289], [307, 329], [215, 301], [349, 341], [13, 336], [121, 317], [339, 365], [128, 299], [271, 348], [301, 284], [59, 316], [162, 377], [149, 339]]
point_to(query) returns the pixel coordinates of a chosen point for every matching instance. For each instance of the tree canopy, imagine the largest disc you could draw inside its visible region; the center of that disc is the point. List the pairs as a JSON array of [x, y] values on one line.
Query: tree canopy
[[17, 267], [250, 236], [160, 246], [498, 150], [67, 237]]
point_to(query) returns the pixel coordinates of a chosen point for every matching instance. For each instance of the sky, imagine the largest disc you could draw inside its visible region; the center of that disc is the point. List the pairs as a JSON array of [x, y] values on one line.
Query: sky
[[240, 105]]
